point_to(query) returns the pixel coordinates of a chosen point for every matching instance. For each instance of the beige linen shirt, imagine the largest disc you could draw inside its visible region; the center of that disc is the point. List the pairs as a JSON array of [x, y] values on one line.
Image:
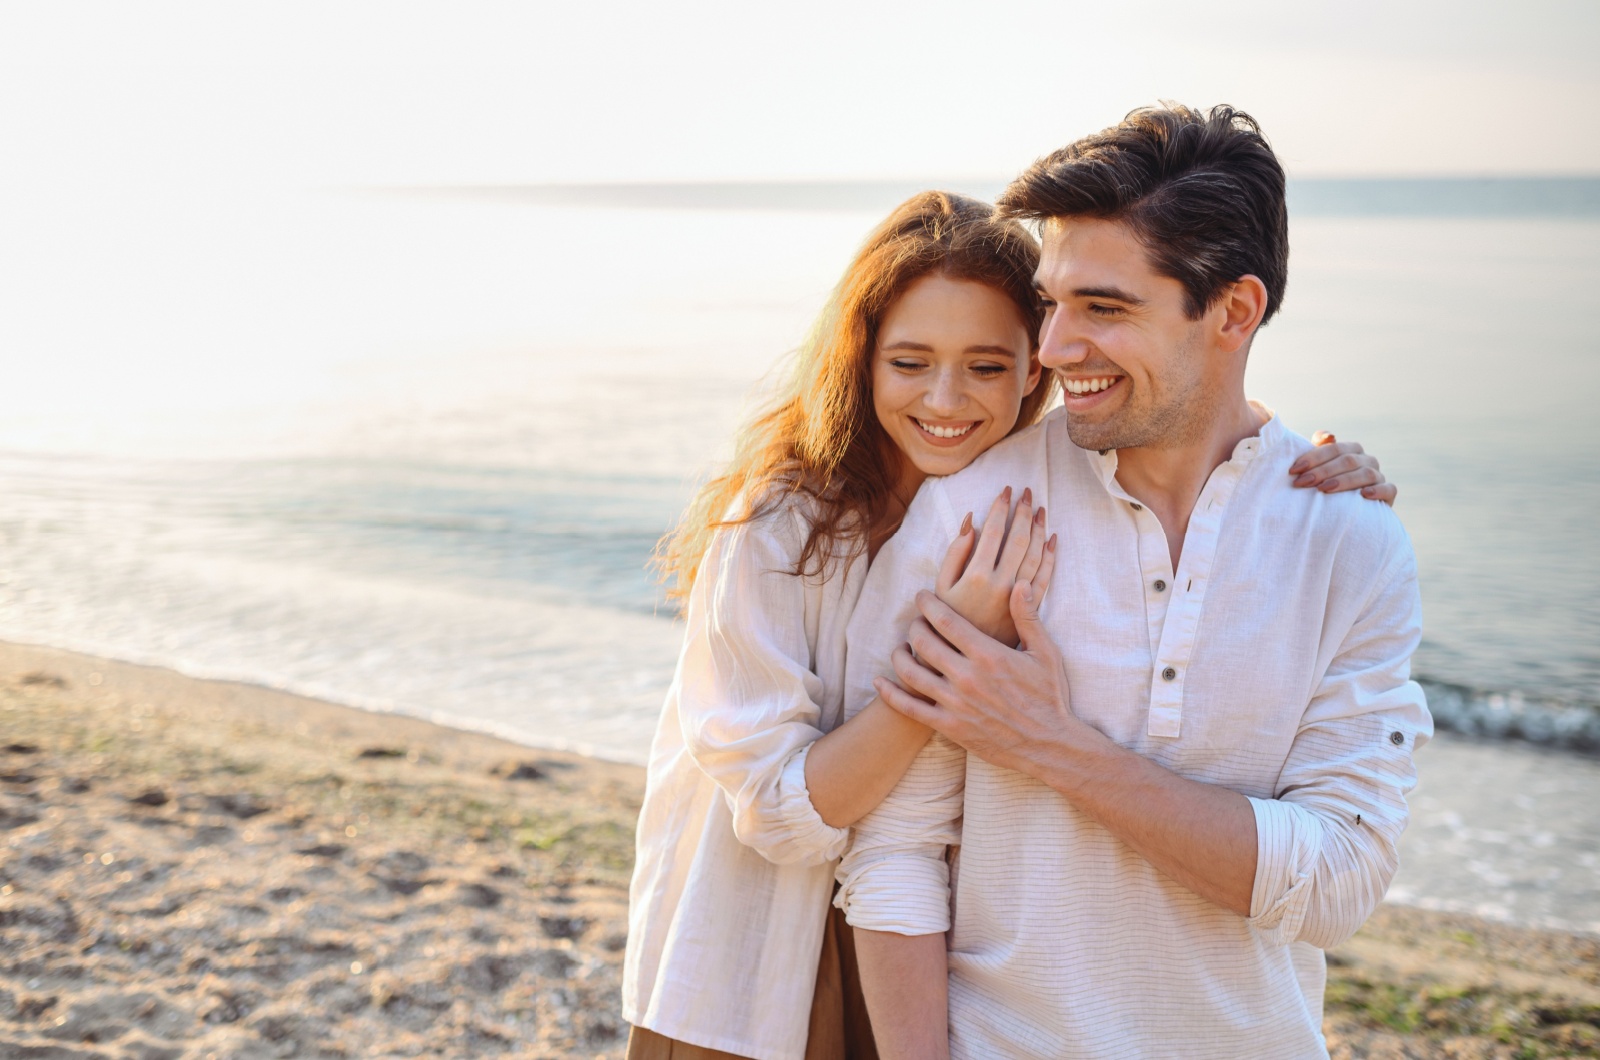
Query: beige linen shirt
[[1274, 661], [734, 867]]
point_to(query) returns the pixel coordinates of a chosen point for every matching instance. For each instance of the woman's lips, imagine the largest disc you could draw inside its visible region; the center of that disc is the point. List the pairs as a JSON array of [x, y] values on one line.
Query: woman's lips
[[945, 435]]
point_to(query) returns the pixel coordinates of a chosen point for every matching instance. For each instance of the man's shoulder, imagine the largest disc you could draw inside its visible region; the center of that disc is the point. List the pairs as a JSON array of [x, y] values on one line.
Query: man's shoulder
[[1364, 532]]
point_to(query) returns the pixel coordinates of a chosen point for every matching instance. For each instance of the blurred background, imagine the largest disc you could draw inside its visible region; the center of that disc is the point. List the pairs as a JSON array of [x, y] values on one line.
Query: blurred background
[[365, 350]]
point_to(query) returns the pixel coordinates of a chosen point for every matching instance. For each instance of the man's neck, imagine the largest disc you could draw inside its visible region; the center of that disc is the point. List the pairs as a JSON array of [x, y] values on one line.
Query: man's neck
[[1168, 479]]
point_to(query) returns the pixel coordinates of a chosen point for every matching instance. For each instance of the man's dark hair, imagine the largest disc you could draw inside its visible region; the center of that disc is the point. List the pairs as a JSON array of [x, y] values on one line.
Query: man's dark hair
[[1201, 190]]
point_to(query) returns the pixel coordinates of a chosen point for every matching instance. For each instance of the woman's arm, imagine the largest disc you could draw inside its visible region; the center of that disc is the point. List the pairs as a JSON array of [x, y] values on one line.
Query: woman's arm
[[853, 768]]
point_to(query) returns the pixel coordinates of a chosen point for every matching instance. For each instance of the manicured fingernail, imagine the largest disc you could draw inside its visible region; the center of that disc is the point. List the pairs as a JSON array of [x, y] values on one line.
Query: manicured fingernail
[[1297, 467], [966, 526], [1329, 486], [1006, 493], [1051, 544], [1027, 495], [1305, 479], [1368, 492], [1038, 517]]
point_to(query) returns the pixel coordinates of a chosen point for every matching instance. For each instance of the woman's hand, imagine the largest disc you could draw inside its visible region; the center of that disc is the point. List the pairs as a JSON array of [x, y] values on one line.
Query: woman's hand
[[980, 568], [1335, 466]]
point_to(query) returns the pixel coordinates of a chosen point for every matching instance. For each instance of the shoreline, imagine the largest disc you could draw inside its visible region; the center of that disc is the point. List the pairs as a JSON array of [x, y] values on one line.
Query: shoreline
[[192, 867]]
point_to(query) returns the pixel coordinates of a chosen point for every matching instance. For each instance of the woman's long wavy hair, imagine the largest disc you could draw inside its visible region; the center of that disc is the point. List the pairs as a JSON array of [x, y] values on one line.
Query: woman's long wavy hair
[[820, 436]]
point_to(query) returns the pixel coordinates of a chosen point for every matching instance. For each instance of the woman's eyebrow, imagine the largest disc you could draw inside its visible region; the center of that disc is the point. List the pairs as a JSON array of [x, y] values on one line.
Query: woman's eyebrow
[[994, 351], [907, 344]]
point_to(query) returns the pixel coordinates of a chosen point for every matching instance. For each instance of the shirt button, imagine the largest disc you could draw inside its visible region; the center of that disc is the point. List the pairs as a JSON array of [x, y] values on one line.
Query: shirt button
[[1397, 738], [1169, 674], [1161, 586], [1136, 506]]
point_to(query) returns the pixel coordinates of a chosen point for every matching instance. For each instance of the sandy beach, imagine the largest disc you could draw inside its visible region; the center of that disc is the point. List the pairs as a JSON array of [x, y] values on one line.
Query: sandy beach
[[197, 869]]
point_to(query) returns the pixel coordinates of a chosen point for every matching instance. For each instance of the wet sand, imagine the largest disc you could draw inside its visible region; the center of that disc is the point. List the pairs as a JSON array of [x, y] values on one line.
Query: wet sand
[[194, 869]]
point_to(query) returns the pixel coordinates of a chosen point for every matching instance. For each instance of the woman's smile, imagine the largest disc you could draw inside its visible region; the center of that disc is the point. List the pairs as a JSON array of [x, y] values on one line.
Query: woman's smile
[[952, 365], [944, 433]]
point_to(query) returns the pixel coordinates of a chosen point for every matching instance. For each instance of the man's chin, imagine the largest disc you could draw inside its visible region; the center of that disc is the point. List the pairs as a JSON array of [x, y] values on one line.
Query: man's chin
[[1097, 436]]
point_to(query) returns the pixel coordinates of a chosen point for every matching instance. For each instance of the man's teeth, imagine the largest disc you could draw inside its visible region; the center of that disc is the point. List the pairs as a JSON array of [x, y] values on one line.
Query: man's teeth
[[945, 432], [1088, 386]]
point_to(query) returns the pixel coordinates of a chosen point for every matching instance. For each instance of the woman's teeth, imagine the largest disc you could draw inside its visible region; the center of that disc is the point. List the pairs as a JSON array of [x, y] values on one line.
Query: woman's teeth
[[1087, 386], [945, 432]]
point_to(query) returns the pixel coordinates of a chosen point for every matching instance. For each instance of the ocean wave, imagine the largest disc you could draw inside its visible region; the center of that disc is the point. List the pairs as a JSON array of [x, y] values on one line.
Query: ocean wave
[[1500, 715]]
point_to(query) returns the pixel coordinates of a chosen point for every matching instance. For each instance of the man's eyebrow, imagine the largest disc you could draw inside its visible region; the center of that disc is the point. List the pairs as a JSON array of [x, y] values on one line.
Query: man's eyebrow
[[1115, 294]]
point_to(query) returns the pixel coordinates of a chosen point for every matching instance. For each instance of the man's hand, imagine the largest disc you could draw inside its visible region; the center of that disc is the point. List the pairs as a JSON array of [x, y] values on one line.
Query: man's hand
[[1012, 709], [1004, 705]]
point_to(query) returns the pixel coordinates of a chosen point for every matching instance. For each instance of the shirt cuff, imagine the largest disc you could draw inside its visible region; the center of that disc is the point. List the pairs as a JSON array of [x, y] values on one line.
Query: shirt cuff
[[1287, 840], [799, 816], [906, 895]]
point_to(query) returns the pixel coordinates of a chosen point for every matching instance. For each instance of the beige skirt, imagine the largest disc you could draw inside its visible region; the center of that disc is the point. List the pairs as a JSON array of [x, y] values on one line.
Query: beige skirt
[[839, 1027]]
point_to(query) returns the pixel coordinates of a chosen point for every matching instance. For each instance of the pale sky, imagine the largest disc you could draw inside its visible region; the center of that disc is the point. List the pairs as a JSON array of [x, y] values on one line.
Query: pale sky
[[396, 93]]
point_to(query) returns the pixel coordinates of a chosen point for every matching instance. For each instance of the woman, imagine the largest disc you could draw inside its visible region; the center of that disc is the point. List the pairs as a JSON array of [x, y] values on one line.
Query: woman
[[922, 361]]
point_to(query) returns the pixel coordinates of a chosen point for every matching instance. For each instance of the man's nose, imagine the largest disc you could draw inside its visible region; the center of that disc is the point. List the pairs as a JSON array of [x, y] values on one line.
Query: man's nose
[[1061, 343]]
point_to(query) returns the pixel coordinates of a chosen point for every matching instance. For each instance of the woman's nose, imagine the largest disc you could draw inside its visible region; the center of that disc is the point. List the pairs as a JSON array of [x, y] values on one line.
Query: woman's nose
[[947, 395]]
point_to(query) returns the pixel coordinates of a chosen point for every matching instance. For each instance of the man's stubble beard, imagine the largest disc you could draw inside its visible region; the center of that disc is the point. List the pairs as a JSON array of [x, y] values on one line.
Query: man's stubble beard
[[1178, 418]]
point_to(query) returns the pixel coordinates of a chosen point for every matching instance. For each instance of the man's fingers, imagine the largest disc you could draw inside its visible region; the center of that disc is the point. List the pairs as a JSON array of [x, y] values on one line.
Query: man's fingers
[[899, 699], [956, 556], [967, 639], [930, 648], [994, 531], [914, 676]]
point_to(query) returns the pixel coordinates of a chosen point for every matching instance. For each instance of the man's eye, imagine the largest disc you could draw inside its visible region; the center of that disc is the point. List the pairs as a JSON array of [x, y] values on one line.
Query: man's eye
[[1046, 304], [1104, 310]]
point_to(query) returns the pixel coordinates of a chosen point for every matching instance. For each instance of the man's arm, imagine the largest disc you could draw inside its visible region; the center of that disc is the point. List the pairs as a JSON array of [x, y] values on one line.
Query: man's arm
[[1013, 708], [1310, 864]]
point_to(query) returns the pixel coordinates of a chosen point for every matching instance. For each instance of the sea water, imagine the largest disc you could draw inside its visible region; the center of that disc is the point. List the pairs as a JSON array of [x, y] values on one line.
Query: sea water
[[412, 452]]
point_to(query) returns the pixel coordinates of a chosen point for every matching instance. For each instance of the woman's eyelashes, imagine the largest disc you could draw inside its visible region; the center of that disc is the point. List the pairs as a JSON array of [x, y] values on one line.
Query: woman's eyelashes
[[984, 370]]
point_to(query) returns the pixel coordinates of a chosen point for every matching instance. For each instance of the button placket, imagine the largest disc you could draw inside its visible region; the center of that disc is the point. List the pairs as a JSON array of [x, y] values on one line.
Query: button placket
[[1184, 606]]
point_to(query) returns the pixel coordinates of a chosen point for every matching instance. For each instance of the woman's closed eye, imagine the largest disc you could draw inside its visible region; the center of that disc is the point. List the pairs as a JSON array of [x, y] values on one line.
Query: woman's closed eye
[[907, 365], [989, 371]]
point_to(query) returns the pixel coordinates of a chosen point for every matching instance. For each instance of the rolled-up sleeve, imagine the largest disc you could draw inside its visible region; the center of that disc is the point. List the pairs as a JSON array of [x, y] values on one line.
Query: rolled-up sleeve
[[894, 876], [749, 704], [1327, 843]]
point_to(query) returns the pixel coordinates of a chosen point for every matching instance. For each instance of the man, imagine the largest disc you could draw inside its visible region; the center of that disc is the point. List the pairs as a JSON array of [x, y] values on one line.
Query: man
[[1190, 776]]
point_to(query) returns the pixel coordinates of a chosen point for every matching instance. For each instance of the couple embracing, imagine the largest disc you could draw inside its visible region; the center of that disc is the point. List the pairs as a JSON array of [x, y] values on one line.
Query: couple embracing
[[1003, 730]]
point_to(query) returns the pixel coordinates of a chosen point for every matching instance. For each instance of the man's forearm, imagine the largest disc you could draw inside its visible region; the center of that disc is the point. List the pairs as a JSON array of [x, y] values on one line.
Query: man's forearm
[[1201, 835], [906, 982]]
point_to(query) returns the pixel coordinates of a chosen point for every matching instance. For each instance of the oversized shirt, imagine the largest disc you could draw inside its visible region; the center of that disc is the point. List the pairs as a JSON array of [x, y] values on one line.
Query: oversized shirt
[[734, 868], [1275, 661]]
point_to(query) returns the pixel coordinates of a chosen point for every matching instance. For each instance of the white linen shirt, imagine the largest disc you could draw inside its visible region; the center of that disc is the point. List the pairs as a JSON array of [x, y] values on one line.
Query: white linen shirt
[[1274, 661], [734, 867]]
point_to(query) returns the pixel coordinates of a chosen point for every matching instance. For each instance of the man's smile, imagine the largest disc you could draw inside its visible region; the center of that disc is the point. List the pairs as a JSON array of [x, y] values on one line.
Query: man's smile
[[1082, 392]]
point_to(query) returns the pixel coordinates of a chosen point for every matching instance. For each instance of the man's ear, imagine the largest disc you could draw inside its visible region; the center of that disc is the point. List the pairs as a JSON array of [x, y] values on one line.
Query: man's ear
[[1243, 306]]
